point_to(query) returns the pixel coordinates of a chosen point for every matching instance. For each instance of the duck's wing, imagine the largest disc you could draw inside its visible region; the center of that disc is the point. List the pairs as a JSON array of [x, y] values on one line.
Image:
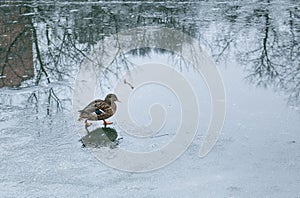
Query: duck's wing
[[102, 105], [103, 110], [92, 107], [99, 109]]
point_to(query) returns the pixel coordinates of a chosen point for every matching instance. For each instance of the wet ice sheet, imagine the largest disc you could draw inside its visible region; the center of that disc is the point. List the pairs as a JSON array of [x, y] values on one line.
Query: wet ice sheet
[[259, 149], [257, 155]]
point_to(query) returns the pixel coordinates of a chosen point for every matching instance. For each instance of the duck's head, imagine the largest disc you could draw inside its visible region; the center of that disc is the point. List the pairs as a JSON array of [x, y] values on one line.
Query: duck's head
[[112, 98]]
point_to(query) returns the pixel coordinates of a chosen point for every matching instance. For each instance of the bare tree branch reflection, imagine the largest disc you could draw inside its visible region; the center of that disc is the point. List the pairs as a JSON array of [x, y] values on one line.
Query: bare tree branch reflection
[[267, 45], [276, 61], [265, 67], [15, 46], [59, 36]]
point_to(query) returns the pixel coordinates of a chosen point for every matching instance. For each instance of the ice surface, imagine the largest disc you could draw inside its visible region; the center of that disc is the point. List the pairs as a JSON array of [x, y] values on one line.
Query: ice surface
[[258, 154]]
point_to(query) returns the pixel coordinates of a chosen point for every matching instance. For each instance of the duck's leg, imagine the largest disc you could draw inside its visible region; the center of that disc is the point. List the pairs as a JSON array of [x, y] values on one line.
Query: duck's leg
[[87, 125], [106, 123]]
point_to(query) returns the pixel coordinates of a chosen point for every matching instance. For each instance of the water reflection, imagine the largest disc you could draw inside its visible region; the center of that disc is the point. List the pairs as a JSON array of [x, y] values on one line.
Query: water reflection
[[273, 60], [56, 37], [100, 137], [266, 45], [16, 59], [260, 144]]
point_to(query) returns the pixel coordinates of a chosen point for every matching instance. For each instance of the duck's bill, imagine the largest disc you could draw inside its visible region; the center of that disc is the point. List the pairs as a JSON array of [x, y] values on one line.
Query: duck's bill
[[118, 100]]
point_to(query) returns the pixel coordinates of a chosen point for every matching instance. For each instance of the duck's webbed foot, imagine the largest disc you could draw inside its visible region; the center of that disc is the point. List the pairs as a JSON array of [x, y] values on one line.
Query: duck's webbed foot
[[106, 123]]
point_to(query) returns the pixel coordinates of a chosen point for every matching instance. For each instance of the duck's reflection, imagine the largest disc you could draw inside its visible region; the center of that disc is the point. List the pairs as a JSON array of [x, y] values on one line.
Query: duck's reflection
[[101, 137]]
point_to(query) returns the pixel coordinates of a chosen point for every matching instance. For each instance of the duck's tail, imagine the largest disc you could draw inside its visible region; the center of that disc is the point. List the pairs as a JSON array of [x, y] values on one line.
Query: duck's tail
[[86, 115], [82, 115]]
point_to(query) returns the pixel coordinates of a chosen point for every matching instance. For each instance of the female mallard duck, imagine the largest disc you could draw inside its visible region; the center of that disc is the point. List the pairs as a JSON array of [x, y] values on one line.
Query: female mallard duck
[[99, 110]]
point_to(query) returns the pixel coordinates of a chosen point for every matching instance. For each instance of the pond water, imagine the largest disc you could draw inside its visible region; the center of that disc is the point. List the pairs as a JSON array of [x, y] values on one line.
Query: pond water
[[46, 47]]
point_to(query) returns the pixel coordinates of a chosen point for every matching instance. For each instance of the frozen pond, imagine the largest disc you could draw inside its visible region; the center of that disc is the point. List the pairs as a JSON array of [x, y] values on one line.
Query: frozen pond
[[47, 50]]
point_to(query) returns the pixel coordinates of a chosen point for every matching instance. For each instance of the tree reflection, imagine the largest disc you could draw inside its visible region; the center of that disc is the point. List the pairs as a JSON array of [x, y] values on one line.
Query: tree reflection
[[16, 63], [63, 34], [59, 36], [264, 57], [267, 45], [275, 61]]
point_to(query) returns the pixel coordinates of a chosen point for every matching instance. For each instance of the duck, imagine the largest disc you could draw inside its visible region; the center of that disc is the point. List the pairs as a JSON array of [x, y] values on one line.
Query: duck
[[99, 110]]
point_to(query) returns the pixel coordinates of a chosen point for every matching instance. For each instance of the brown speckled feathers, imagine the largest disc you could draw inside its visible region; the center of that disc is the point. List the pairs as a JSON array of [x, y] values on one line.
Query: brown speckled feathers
[[99, 109]]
